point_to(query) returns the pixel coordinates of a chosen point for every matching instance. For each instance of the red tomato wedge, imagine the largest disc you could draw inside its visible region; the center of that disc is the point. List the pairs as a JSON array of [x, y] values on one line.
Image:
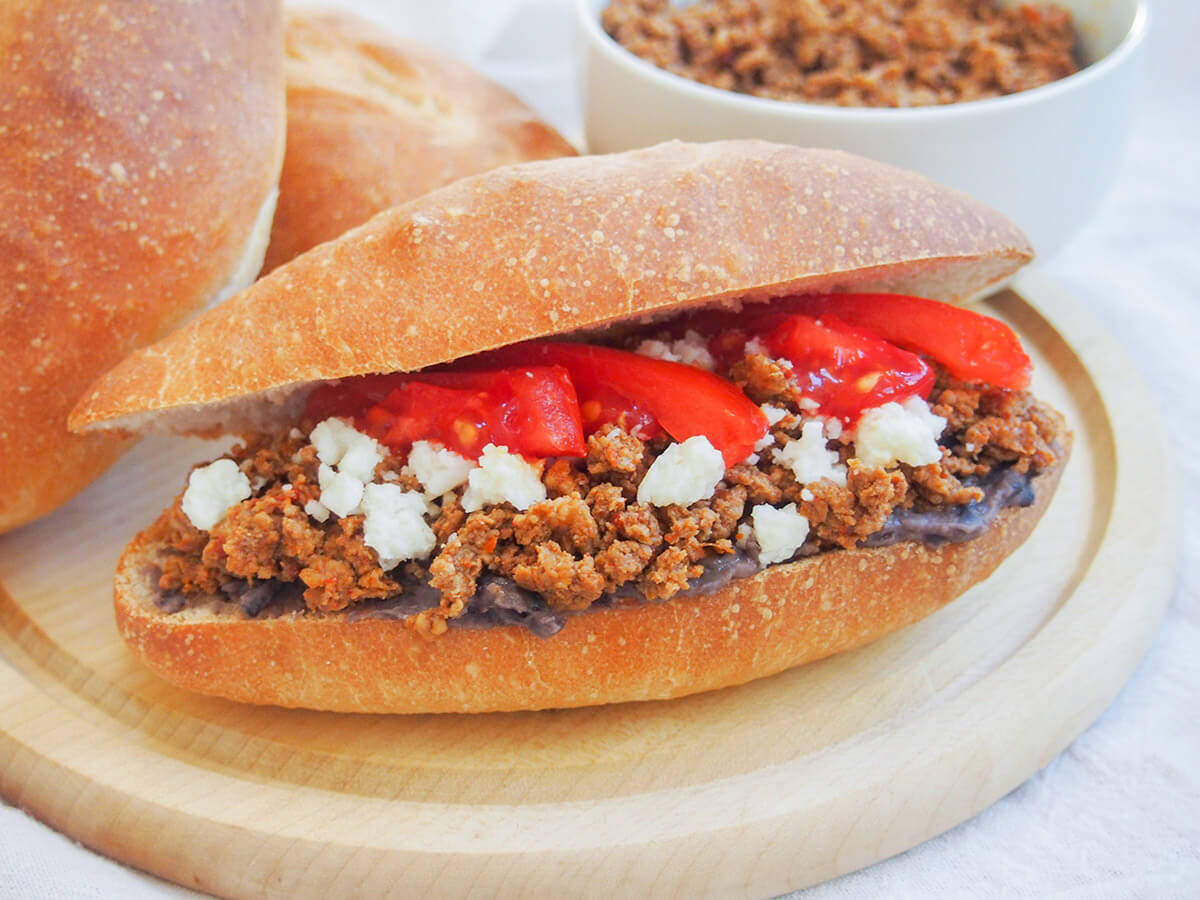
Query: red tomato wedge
[[531, 410], [846, 370], [350, 397], [684, 400], [971, 346], [601, 406]]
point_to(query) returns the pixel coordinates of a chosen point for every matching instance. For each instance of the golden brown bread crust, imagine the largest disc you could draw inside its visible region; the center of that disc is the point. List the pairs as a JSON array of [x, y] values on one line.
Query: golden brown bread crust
[[784, 616], [555, 246], [138, 143], [373, 121]]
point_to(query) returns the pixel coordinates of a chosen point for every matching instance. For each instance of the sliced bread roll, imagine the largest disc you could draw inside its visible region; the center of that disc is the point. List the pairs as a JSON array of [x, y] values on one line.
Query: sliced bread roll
[[573, 246]]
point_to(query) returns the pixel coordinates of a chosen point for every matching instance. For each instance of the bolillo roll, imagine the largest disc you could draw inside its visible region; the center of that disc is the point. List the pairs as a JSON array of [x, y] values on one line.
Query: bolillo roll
[[375, 120], [139, 165], [587, 431]]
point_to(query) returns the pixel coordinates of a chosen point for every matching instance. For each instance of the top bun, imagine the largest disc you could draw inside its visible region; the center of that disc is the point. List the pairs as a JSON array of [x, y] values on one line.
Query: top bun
[[373, 121], [555, 247], [141, 148]]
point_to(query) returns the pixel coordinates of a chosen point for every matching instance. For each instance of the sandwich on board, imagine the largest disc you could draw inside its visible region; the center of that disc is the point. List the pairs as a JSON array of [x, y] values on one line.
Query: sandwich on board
[[585, 431]]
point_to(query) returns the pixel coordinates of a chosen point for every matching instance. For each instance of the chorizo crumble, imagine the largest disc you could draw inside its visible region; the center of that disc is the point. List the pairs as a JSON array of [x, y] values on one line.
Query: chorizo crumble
[[895, 53], [590, 540]]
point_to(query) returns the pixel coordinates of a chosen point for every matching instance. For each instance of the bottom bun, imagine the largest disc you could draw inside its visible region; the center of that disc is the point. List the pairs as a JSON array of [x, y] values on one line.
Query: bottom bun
[[782, 617]]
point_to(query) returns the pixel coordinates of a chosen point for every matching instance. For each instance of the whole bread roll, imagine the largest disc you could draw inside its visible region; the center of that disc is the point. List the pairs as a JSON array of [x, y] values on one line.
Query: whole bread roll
[[374, 121], [138, 166]]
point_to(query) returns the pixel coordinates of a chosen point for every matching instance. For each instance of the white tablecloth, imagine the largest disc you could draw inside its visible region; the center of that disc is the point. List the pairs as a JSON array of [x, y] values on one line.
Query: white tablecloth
[[1118, 813]]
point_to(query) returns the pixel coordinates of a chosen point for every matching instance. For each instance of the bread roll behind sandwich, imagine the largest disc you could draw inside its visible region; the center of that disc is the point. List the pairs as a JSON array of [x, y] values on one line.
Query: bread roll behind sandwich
[[586, 247], [138, 168], [374, 121]]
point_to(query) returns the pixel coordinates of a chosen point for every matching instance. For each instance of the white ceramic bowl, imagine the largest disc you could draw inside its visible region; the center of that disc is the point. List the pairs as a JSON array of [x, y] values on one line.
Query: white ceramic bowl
[[1045, 157]]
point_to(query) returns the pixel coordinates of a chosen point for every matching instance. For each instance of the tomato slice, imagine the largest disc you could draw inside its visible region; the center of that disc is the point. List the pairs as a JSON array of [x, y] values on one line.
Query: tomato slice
[[971, 346], [684, 400], [349, 397], [601, 406], [530, 410], [846, 370]]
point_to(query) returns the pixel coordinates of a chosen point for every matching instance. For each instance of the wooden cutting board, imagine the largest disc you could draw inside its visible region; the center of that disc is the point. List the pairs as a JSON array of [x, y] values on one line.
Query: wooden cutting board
[[749, 791]]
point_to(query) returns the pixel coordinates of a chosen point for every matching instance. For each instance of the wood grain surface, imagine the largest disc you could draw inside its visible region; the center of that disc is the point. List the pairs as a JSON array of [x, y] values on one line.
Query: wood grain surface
[[750, 791]]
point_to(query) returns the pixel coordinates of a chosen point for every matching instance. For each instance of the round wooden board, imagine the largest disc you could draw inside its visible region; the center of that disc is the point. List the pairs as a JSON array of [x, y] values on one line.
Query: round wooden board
[[750, 791]]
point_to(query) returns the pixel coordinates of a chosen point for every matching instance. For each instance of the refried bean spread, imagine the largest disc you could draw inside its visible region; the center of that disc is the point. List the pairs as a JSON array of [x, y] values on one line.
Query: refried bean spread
[[880, 53]]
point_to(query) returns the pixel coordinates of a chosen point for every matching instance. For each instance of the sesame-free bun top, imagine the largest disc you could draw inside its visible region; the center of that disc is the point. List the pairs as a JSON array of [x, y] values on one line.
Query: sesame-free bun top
[[373, 121], [554, 247], [140, 152]]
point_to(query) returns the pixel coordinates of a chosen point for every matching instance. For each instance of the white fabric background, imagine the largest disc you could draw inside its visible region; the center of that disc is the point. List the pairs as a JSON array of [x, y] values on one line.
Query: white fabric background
[[1117, 815]]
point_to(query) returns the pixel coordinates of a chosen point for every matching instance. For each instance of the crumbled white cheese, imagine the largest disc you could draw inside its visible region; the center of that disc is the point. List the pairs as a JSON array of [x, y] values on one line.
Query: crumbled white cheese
[[754, 345], [348, 460], [326, 437], [774, 414], [899, 433], [394, 524], [691, 350], [779, 532], [359, 461], [340, 493], [211, 490], [683, 474], [439, 470], [657, 350], [317, 510], [502, 477], [347, 449], [833, 428], [808, 457]]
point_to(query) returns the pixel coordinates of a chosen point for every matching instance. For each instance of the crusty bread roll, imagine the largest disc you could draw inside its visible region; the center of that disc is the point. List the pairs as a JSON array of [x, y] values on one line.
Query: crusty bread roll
[[138, 166], [571, 245], [782, 617], [373, 121], [553, 247]]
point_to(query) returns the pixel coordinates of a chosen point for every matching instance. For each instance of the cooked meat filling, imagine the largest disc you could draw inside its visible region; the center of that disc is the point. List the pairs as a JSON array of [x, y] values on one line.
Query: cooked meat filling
[[591, 540], [863, 53]]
